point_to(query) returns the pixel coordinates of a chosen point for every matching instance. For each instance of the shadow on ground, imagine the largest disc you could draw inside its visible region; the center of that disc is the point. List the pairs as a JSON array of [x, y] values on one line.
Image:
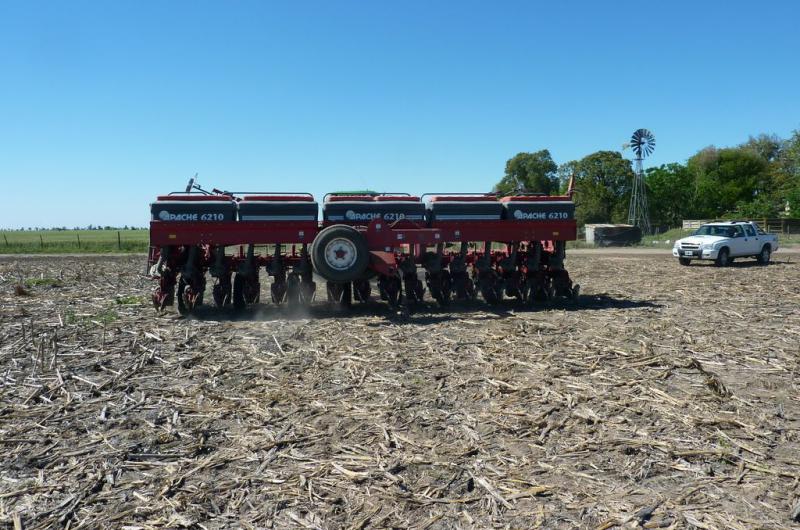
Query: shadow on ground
[[426, 313], [744, 264]]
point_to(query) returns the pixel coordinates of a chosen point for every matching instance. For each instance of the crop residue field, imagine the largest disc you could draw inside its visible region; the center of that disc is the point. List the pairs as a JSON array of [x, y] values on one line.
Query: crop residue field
[[666, 397]]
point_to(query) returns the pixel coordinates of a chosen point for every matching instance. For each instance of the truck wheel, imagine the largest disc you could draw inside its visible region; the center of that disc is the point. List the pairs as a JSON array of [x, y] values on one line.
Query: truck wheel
[[723, 258], [339, 254], [764, 255], [684, 261]]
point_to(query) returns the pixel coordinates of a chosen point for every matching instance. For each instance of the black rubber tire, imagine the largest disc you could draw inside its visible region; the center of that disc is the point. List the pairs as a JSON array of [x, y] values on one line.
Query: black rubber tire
[[723, 258], [684, 261], [199, 301], [445, 289], [182, 309], [393, 293], [575, 294], [293, 292], [362, 290], [359, 265], [764, 255], [347, 296], [238, 293], [489, 294], [222, 291]]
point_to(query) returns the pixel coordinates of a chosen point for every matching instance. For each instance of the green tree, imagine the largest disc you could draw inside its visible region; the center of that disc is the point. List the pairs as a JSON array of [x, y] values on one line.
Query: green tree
[[783, 158], [725, 179], [565, 172], [533, 172], [760, 207], [670, 190], [602, 187], [767, 146], [787, 179]]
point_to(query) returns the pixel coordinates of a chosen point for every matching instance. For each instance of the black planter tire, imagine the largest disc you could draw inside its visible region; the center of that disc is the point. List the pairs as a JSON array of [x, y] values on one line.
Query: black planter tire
[[238, 293], [182, 309], [339, 254]]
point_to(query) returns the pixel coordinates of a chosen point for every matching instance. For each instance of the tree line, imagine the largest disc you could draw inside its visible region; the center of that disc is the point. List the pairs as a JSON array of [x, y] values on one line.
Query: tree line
[[76, 228], [759, 178]]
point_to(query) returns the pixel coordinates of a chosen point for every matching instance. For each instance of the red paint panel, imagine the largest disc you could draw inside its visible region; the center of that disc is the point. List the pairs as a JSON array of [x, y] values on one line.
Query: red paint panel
[[232, 233]]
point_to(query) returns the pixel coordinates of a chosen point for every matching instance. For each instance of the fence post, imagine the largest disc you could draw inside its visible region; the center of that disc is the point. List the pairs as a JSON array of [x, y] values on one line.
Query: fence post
[[6, 239], [79, 240], [41, 240], [119, 241]]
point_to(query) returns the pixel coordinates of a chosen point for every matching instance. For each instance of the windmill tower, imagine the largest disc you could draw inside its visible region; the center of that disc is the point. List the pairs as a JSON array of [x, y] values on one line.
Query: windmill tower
[[643, 143]]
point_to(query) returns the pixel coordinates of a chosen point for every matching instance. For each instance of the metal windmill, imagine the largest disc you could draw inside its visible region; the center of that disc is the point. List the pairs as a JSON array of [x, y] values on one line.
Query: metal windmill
[[643, 143]]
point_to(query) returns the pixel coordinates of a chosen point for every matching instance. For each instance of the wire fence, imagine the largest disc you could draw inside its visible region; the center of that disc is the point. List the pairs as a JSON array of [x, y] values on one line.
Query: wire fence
[[774, 226], [61, 241]]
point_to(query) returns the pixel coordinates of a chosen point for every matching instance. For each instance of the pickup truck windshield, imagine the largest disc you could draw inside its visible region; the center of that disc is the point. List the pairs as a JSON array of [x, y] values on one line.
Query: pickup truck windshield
[[711, 230]]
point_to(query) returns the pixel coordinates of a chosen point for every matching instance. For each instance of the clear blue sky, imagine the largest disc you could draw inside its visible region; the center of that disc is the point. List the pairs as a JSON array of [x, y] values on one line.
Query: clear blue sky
[[106, 104]]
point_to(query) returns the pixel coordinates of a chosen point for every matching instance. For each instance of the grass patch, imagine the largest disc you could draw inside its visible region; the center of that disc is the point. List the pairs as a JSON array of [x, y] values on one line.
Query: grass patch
[[43, 282], [789, 241], [579, 243], [106, 316], [73, 241], [129, 300], [668, 238], [665, 239]]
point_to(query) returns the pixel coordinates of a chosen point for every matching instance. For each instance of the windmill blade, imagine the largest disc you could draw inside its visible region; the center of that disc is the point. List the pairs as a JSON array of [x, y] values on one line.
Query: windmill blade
[[643, 142], [637, 144]]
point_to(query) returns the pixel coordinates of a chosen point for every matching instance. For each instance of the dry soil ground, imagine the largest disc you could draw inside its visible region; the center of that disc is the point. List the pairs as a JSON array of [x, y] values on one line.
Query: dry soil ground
[[667, 397]]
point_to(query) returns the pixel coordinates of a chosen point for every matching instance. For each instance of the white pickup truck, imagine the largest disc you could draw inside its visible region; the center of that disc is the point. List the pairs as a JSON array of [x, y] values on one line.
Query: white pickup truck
[[724, 241]]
